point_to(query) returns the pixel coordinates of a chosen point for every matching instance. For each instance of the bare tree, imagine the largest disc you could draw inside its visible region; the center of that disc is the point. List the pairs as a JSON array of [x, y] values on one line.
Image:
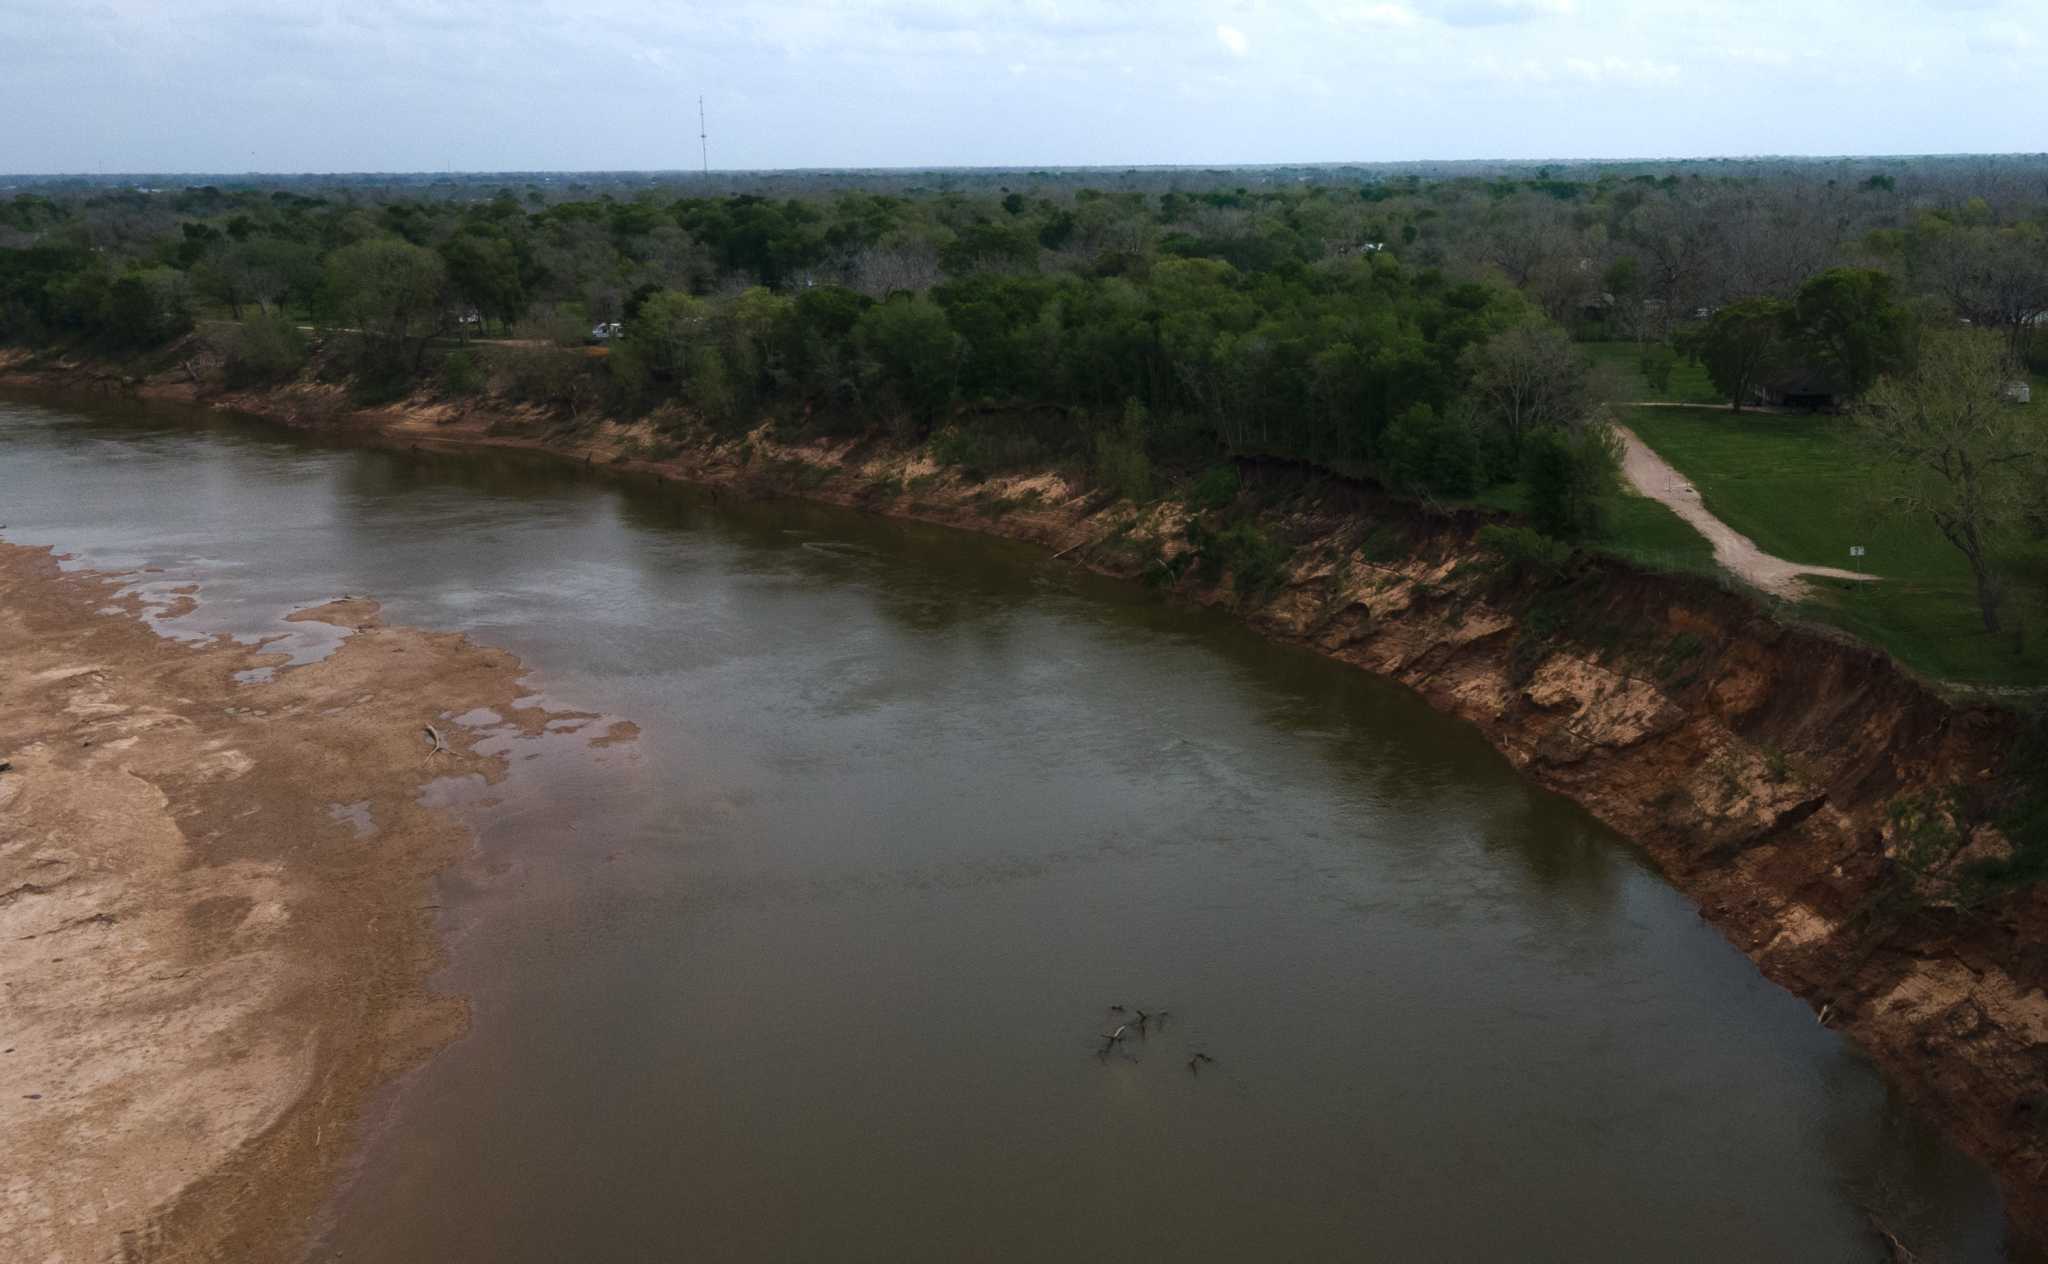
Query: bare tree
[[1530, 378], [1994, 277], [898, 262], [1678, 242]]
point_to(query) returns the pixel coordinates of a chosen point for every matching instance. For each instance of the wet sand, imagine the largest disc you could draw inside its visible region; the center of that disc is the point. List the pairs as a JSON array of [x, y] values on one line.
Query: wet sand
[[216, 912]]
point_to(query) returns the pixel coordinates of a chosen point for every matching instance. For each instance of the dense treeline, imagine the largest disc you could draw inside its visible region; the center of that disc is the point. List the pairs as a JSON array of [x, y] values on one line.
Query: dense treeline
[[1409, 327]]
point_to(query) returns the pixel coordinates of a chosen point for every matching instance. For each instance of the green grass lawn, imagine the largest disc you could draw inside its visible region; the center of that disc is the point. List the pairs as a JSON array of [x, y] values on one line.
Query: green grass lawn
[[1689, 384], [1798, 487], [1644, 532], [1639, 530]]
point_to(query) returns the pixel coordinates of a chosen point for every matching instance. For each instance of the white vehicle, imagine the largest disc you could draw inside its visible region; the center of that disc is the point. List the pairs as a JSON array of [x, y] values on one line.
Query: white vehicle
[[605, 331]]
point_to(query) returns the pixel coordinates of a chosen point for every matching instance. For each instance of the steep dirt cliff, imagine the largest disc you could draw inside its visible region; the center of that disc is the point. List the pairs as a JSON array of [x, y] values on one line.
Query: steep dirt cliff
[[1816, 801]]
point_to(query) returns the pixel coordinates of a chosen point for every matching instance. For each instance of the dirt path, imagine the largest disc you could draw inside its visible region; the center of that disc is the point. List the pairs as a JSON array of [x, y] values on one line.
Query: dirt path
[[1654, 477], [214, 925]]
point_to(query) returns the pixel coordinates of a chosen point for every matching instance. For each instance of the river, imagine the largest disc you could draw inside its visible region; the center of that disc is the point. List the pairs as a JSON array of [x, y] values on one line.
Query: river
[[819, 967]]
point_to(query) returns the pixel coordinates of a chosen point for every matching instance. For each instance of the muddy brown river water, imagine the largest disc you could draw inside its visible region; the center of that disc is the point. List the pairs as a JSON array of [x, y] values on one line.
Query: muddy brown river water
[[818, 968]]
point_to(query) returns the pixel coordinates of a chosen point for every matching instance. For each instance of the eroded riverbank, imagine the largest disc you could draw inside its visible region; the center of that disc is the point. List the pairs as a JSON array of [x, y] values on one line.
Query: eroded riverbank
[[1754, 761], [215, 911]]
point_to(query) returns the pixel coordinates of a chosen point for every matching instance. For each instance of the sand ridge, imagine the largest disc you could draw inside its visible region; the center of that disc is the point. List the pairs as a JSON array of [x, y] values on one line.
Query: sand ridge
[[215, 922]]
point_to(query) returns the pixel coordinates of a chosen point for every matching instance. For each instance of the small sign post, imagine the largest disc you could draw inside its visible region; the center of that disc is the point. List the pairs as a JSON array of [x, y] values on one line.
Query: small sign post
[[1855, 550]]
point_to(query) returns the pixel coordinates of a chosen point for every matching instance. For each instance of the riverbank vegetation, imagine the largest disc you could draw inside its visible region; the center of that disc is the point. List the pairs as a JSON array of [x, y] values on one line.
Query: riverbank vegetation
[[1456, 337]]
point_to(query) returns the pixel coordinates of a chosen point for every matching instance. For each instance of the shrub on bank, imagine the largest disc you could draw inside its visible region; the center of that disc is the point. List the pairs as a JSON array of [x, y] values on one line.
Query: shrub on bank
[[1121, 463], [1526, 552], [266, 348]]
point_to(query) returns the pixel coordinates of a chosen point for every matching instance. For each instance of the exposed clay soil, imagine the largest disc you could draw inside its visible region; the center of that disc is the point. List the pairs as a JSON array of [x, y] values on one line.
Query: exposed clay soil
[[1756, 761], [215, 913]]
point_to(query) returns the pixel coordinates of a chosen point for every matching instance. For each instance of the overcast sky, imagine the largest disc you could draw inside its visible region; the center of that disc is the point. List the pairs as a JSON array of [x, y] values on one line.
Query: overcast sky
[[408, 85]]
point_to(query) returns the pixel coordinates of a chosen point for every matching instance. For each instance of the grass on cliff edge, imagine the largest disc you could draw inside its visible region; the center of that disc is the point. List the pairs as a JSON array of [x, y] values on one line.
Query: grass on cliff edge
[[1639, 530], [1799, 487]]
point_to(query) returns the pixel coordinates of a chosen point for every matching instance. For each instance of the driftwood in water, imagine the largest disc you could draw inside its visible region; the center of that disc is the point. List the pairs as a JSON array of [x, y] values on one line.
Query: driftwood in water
[[1900, 1252]]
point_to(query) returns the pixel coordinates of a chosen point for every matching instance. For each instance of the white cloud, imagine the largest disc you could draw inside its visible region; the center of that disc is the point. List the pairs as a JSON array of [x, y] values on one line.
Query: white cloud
[[1514, 72], [1394, 15], [2001, 37], [1638, 70], [1500, 12], [1233, 39], [1756, 55]]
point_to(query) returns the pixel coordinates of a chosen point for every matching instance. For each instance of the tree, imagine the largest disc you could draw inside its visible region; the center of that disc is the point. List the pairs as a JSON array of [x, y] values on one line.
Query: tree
[[1741, 344], [1995, 278], [1953, 449], [390, 291], [1572, 476], [1425, 452], [219, 278], [1657, 362], [667, 331], [271, 270], [147, 307], [1846, 323], [1529, 377], [913, 351], [1121, 463], [485, 272]]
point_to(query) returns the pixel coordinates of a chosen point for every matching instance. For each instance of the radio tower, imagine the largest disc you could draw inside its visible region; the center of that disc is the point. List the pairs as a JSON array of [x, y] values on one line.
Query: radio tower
[[703, 139]]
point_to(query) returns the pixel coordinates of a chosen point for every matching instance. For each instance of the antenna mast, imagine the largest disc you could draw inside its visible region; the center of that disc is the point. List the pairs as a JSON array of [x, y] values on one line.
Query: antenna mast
[[703, 139]]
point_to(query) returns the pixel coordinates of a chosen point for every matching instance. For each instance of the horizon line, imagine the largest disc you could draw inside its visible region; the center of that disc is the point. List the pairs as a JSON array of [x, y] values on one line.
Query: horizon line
[[1333, 164]]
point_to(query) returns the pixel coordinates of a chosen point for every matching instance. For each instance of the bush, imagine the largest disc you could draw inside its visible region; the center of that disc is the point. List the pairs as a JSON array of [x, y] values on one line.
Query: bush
[[980, 449], [2034, 351], [1256, 562], [1657, 363], [462, 373], [1526, 552], [147, 308], [711, 386], [1425, 452], [554, 377], [1215, 489], [1121, 464], [266, 348], [1572, 475]]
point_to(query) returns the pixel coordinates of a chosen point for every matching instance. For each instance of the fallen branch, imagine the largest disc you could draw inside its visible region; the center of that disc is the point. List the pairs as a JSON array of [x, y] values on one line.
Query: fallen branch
[[1900, 1252], [440, 747]]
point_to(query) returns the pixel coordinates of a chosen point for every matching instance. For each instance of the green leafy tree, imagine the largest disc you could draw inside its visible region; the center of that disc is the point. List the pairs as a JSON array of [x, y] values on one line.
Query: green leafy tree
[[1741, 345], [667, 332], [914, 354], [391, 292], [148, 307], [1572, 476], [1426, 452], [1848, 323], [1952, 449], [484, 272]]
